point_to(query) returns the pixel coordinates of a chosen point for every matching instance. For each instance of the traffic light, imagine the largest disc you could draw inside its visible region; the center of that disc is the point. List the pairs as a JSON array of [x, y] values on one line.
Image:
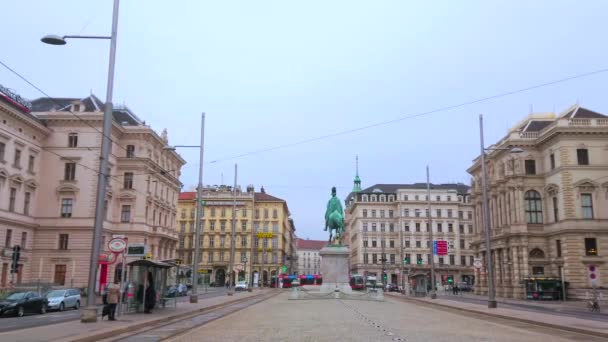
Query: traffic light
[[15, 259], [384, 277], [406, 261], [450, 279], [419, 262]]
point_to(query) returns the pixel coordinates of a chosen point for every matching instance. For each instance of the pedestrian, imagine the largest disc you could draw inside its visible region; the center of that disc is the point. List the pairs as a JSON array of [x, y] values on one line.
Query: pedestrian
[[456, 289], [113, 297], [150, 294]]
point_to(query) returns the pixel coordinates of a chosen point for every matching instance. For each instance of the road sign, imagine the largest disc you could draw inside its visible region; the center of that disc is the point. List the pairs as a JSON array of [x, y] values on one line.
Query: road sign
[[440, 247], [203, 271], [477, 263], [117, 245]]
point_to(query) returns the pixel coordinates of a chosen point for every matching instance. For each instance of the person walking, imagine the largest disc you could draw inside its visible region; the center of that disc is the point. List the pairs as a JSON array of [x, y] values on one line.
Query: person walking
[[113, 297]]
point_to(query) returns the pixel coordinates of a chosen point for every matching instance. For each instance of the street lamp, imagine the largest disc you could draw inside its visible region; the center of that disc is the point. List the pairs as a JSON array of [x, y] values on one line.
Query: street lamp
[[89, 313], [199, 210], [486, 214]]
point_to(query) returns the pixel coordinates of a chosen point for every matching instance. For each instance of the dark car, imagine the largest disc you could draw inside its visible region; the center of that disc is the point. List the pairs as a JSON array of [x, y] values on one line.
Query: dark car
[[20, 303], [392, 288]]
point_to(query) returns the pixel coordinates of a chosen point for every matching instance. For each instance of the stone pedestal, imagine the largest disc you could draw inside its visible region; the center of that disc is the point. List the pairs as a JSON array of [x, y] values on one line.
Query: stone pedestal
[[334, 269]]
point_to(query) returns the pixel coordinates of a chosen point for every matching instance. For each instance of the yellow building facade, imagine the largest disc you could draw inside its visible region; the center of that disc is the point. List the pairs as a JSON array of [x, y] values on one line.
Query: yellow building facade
[[264, 235]]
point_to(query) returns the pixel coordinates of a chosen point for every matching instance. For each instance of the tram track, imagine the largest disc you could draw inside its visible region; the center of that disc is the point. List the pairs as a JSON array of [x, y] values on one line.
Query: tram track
[[175, 327]]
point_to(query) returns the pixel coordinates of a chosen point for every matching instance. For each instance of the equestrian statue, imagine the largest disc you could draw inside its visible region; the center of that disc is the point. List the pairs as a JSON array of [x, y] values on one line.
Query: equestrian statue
[[334, 219]]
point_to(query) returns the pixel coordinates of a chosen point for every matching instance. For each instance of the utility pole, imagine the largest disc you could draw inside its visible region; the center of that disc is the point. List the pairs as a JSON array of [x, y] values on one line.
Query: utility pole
[[430, 227], [232, 236], [199, 217]]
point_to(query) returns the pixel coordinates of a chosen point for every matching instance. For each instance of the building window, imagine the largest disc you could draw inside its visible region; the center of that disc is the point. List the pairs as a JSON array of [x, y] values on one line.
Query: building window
[[128, 180], [8, 238], [390, 214], [406, 212], [212, 241], [555, 210], [23, 239], [275, 227], [449, 213], [373, 213], [391, 227], [405, 197], [63, 241], [440, 260], [538, 270], [438, 212], [130, 151], [66, 207], [364, 213], [382, 225], [265, 213], [558, 248], [11, 200], [382, 243], [70, 172], [212, 211], [534, 211], [382, 213], [244, 241], [223, 212], [222, 226], [17, 159], [244, 212], [373, 227], [406, 228], [461, 228], [365, 243], [470, 229], [407, 243], [418, 227], [450, 228], [438, 198], [552, 161], [463, 260], [73, 140], [2, 150], [418, 244], [417, 212], [125, 214], [275, 214], [30, 164], [26, 203], [587, 206], [530, 166], [392, 258], [591, 247], [391, 244], [461, 243], [582, 155], [364, 226], [244, 225], [452, 262], [374, 244], [374, 258]]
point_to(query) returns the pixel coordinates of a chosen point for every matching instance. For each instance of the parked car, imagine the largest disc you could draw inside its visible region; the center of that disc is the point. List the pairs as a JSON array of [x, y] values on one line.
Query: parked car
[[62, 299], [20, 303], [241, 286], [392, 288]]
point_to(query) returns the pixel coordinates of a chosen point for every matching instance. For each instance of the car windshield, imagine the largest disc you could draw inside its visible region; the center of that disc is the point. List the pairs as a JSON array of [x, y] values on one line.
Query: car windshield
[[16, 296], [56, 293]]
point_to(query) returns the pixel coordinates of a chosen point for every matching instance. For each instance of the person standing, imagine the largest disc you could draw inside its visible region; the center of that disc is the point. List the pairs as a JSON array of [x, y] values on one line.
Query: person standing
[[113, 297]]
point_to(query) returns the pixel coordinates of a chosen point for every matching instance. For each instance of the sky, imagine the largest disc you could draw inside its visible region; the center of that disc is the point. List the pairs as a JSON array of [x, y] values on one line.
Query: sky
[[274, 73]]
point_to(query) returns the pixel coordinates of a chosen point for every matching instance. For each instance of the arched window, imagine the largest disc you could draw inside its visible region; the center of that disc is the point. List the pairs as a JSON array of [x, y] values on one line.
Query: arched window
[[534, 209], [537, 253]]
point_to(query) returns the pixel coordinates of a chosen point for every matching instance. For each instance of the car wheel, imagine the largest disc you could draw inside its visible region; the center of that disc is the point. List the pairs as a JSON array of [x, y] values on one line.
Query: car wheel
[[77, 305], [20, 311], [61, 306], [43, 309]]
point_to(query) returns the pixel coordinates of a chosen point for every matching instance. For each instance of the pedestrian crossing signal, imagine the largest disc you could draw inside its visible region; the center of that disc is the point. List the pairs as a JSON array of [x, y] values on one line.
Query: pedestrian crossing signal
[[450, 280], [406, 261], [419, 262]]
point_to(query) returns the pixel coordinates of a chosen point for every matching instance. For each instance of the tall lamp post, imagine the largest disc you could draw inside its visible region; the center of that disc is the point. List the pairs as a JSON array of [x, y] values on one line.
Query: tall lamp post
[[429, 222], [199, 210], [89, 313], [231, 279], [486, 214]]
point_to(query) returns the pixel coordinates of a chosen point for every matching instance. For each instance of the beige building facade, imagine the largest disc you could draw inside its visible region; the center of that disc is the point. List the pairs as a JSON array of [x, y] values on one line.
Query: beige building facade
[[264, 234], [548, 206], [388, 233], [308, 258], [51, 192]]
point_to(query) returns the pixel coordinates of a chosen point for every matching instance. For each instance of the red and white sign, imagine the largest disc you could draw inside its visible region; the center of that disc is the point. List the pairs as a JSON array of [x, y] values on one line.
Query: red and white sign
[[106, 258], [117, 245]]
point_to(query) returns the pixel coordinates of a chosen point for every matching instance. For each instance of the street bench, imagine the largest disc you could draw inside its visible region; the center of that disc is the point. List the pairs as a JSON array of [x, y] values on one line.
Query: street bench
[[165, 300]]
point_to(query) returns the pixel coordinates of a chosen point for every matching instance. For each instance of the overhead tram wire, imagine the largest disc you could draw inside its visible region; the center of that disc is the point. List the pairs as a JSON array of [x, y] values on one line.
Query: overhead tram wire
[[399, 119]]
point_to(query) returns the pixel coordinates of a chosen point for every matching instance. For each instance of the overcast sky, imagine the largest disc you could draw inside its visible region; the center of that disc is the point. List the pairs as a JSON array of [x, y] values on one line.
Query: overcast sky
[[269, 73]]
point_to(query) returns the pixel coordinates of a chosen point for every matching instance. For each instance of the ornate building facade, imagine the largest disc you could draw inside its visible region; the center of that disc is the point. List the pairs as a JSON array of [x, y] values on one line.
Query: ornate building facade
[[309, 260], [264, 234], [388, 233], [548, 205], [51, 182]]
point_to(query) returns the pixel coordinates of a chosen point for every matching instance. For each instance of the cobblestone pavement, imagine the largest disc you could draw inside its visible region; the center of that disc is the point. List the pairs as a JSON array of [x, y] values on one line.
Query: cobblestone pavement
[[280, 319]]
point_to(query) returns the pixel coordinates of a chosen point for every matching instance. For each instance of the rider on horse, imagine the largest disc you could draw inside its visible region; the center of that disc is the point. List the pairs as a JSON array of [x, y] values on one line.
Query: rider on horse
[[334, 219]]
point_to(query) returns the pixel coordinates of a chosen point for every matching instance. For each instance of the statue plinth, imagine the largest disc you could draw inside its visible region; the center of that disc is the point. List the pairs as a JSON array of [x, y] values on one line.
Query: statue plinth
[[334, 269]]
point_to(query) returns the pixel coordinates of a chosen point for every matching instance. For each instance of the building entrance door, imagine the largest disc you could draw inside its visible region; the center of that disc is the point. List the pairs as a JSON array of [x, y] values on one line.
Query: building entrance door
[[59, 277], [220, 277]]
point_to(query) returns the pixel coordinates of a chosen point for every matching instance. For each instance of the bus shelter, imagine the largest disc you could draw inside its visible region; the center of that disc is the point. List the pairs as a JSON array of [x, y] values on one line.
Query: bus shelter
[[539, 288], [147, 283]]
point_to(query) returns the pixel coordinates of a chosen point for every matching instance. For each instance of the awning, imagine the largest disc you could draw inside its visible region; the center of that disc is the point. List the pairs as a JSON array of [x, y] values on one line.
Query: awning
[[149, 263]]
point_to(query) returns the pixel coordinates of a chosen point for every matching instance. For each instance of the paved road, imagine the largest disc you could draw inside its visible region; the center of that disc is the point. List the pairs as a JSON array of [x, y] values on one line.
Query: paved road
[[559, 310], [34, 320], [280, 319]]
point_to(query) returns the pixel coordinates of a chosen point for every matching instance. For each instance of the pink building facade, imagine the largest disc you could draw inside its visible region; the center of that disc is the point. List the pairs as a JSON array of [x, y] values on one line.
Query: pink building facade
[[49, 161]]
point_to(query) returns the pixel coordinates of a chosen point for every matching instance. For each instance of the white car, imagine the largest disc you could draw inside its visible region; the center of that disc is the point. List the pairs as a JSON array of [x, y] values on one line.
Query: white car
[[241, 285], [62, 299]]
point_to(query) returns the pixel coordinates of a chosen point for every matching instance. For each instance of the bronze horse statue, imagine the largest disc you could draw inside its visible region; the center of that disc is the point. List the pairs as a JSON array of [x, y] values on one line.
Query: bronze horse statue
[[334, 219]]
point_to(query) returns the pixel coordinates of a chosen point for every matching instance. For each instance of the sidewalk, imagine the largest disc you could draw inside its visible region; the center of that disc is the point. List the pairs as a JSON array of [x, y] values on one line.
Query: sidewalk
[[77, 331], [585, 326]]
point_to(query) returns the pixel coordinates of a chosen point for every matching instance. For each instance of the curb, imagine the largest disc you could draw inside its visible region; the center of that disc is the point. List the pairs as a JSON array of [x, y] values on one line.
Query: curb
[[528, 321], [107, 334]]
